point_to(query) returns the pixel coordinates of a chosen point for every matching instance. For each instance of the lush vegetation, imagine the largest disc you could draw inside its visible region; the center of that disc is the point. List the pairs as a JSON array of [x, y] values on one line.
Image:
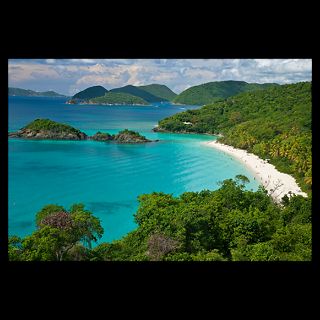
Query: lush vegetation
[[118, 98], [31, 93], [50, 125], [138, 92], [159, 91], [60, 235], [124, 95], [274, 123], [228, 224], [214, 91], [90, 93]]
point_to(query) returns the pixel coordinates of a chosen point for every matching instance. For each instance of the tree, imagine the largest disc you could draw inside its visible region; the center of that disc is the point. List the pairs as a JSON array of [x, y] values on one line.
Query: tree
[[47, 244], [47, 210], [14, 248], [159, 245], [58, 235], [86, 226]]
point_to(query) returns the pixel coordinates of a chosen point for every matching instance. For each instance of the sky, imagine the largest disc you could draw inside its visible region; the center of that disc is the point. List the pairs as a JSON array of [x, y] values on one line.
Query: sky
[[69, 76]]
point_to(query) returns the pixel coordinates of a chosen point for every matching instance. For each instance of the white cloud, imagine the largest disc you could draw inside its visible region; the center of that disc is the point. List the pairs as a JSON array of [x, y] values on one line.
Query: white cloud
[[22, 72], [83, 60], [177, 74]]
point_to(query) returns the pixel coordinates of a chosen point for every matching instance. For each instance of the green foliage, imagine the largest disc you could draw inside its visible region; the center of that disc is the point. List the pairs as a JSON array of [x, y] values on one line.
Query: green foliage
[[138, 92], [14, 248], [228, 224], [274, 123], [160, 91], [50, 125], [87, 228], [118, 98], [59, 235], [213, 255], [45, 244], [31, 93], [214, 91], [90, 93]]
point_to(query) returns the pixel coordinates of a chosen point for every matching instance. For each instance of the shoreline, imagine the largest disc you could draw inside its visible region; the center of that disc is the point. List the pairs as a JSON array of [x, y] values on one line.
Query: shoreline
[[275, 182]]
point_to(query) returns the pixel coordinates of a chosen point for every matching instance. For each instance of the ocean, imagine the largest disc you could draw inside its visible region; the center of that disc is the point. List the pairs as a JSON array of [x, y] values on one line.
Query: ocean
[[106, 177]]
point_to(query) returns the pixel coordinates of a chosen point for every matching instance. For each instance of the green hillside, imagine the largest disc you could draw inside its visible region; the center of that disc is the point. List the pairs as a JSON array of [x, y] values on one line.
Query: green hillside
[[160, 91], [215, 91], [274, 123], [31, 93], [50, 125], [136, 91], [118, 98], [89, 93]]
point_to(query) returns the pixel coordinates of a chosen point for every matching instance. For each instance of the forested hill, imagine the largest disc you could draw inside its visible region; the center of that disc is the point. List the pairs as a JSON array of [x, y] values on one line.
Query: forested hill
[[215, 91], [90, 93], [118, 98], [130, 94], [31, 93], [274, 123], [138, 92], [160, 91]]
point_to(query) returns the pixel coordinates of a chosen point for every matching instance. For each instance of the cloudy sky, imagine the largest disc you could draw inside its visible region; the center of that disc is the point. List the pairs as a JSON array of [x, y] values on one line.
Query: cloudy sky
[[69, 76]]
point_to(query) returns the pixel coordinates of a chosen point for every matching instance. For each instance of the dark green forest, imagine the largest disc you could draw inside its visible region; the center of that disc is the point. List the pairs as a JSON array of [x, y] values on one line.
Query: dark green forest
[[274, 123], [138, 92], [50, 125], [228, 224], [159, 91], [118, 98], [215, 91], [90, 93]]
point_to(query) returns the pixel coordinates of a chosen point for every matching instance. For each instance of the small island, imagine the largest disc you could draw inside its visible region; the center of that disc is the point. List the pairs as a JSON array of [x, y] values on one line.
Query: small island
[[46, 129]]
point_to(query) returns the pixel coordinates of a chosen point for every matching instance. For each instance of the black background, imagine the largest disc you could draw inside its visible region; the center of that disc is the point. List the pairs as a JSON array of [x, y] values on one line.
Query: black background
[[96, 31]]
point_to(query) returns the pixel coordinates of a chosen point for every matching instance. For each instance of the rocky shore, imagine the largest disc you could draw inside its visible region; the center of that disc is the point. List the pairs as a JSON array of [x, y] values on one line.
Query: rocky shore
[[45, 129]]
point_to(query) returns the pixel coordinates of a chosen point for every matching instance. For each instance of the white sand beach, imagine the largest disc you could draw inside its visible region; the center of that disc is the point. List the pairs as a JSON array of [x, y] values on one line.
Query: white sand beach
[[276, 183]]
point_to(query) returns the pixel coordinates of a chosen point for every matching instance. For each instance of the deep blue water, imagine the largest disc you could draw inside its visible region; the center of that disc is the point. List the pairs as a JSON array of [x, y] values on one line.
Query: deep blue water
[[106, 177]]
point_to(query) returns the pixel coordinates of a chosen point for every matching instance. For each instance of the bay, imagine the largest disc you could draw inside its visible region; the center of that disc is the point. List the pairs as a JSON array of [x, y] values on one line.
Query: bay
[[106, 177]]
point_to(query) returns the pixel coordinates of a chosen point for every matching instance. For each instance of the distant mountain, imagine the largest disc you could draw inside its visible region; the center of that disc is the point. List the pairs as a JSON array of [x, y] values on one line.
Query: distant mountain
[[91, 92], [213, 91], [138, 92], [31, 93], [160, 91], [118, 98]]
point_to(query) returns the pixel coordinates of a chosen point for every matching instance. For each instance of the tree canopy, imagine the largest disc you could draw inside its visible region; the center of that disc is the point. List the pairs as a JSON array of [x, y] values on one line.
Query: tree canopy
[[218, 90], [227, 224]]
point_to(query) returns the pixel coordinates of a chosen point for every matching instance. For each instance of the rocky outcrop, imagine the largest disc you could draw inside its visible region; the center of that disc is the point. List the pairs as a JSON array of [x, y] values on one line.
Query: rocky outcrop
[[46, 129], [99, 136], [47, 135], [128, 136], [159, 129]]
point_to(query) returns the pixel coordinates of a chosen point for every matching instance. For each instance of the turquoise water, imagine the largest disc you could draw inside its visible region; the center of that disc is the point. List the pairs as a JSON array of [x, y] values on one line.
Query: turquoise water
[[106, 177]]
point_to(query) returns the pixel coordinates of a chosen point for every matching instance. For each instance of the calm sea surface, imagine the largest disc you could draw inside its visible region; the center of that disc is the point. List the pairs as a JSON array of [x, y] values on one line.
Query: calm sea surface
[[106, 177]]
